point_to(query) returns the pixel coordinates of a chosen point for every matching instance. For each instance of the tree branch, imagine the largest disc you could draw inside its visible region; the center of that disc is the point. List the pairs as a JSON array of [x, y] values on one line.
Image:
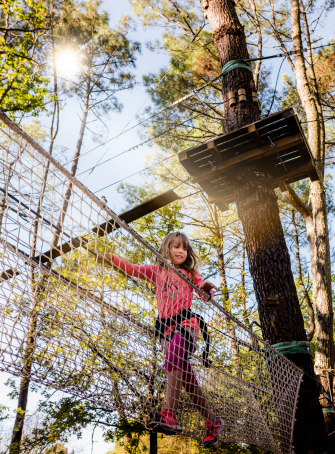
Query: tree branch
[[296, 201]]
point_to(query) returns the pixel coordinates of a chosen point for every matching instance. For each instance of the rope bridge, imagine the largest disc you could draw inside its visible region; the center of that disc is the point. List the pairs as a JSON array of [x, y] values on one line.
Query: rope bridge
[[73, 324]]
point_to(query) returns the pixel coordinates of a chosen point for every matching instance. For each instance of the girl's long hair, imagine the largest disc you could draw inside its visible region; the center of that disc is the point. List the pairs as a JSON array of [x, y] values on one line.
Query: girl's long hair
[[166, 246]]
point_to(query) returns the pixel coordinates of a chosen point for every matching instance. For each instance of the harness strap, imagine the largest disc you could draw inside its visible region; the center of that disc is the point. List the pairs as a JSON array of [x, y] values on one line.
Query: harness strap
[[186, 314]]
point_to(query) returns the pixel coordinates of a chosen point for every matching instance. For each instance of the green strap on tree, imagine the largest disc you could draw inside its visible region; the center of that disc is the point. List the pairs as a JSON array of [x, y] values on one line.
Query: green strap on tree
[[327, 410], [233, 64], [294, 347]]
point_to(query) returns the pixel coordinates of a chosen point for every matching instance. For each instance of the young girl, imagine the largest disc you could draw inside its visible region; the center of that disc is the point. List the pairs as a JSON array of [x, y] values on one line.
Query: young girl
[[179, 329]]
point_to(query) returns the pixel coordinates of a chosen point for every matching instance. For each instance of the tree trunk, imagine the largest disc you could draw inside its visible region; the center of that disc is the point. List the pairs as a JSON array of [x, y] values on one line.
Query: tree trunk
[[230, 42], [222, 274], [269, 260], [15, 445], [246, 320], [320, 253], [302, 286], [275, 290], [75, 161]]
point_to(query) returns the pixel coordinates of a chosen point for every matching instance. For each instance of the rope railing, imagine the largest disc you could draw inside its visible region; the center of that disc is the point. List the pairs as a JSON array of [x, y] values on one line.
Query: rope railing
[[87, 327]]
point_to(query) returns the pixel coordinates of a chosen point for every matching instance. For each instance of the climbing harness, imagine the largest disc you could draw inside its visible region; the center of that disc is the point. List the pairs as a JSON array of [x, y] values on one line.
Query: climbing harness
[[175, 323]]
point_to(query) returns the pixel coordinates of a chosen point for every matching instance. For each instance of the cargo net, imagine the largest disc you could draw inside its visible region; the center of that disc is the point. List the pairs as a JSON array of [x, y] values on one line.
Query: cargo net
[[87, 328]]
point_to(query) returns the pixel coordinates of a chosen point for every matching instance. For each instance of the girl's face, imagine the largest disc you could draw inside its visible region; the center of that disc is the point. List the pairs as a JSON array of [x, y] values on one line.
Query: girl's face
[[178, 253]]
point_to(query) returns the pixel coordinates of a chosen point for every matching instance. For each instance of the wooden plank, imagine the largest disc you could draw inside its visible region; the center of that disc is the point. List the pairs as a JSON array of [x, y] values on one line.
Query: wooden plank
[[229, 195], [129, 216], [292, 121], [307, 169], [187, 163], [234, 139], [222, 205], [214, 151], [209, 188], [301, 169], [256, 138], [8, 274], [252, 155], [148, 207]]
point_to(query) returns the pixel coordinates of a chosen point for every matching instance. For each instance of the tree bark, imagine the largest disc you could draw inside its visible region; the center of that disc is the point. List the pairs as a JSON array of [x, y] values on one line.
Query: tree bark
[[246, 320], [302, 286], [278, 303], [74, 167], [319, 234], [269, 260], [230, 42], [17, 433]]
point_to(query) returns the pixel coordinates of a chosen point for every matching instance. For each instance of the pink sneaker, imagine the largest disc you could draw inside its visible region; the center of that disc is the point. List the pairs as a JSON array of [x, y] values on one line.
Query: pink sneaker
[[165, 422], [214, 429]]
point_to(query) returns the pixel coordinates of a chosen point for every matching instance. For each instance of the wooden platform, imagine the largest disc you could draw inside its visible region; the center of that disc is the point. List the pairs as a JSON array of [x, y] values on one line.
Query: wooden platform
[[277, 141]]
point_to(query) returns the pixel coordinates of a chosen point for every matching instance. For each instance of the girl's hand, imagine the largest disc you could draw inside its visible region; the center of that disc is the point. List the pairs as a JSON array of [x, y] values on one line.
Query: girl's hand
[[207, 286], [103, 258], [100, 257]]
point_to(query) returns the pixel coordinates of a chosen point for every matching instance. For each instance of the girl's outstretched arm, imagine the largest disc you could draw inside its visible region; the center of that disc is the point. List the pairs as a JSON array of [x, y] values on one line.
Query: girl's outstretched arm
[[145, 272]]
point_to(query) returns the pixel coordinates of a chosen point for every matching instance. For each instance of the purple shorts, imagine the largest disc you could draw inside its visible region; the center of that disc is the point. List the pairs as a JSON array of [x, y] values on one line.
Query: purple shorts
[[174, 360]]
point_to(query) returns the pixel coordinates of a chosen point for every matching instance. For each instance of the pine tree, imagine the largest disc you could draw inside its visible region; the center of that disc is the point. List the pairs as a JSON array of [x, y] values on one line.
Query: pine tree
[[269, 260]]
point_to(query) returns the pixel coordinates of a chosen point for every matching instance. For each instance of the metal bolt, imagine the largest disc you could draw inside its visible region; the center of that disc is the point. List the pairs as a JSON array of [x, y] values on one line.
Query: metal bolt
[[272, 143]]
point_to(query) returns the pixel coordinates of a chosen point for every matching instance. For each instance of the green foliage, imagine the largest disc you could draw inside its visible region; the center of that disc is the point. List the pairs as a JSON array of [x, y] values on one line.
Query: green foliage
[[23, 88], [180, 445], [62, 419], [57, 448], [3, 413], [129, 435]]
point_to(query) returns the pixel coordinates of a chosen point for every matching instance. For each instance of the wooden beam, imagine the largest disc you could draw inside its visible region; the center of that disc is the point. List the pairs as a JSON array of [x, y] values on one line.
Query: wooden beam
[[189, 165], [129, 216], [251, 155], [255, 135], [227, 196], [222, 205], [213, 149], [306, 168]]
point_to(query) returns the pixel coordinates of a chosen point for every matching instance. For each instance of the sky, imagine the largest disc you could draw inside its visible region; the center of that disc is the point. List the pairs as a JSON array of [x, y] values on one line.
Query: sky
[[127, 164]]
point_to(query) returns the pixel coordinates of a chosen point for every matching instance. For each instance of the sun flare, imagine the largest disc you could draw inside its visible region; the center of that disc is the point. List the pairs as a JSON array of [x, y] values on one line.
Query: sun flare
[[67, 63]]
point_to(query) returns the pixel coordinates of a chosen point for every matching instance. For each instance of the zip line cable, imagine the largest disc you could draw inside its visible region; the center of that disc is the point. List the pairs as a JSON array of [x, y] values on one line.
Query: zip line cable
[[274, 93], [146, 141], [312, 121], [190, 95], [151, 93], [142, 170], [136, 146], [184, 98]]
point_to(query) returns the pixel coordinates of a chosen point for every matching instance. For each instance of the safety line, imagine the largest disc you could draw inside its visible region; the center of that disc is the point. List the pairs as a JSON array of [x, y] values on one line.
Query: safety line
[[151, 93], [194, 93]]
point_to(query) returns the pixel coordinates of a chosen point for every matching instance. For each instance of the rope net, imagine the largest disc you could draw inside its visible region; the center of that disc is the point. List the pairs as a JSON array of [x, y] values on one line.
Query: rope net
[[87, 328]]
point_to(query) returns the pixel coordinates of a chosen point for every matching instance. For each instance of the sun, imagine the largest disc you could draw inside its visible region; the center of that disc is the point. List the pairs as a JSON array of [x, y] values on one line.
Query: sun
[[67, 63]]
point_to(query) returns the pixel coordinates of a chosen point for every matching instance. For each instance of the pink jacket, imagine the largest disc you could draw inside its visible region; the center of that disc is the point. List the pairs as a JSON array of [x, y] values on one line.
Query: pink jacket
[[172, 293]]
